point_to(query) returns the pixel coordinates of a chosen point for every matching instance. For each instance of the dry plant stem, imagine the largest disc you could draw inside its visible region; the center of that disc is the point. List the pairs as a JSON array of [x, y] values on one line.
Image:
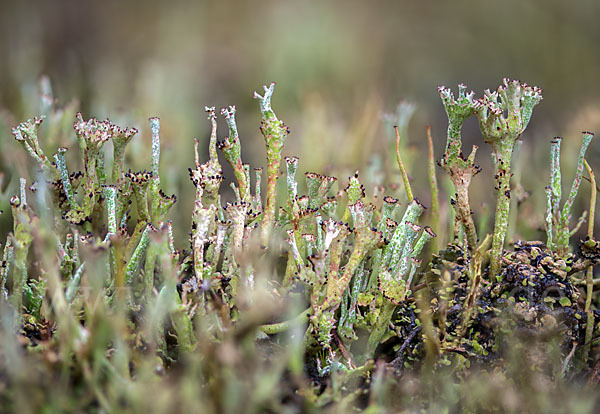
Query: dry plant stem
[[433, 187], [589, 328], [475, 275], [407, 188]]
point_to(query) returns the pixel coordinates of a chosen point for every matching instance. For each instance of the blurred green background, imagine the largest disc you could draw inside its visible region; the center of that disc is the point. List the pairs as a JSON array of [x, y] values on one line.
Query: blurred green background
[[338, 65]]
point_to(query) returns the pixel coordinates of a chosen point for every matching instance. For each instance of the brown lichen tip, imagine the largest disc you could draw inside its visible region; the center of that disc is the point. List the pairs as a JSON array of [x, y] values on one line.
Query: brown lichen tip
[[139, 177], [14, 201], [414, 227], [429, 231], [172, 198], [305, 212], [390, 200], [224, 144], [92, 130], [312, 175], [416, 200], [126, 133]]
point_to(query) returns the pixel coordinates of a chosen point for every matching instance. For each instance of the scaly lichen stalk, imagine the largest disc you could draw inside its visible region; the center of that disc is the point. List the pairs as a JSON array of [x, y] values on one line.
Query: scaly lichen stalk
[[275, 133], [110, 194], [61, 164], [549, 219], [155, 129], [7, 259], [27, 134], [120, 138], [503, 116], [460, 169], [503, 175], [232, 150], [565, 214], [555, 175], [136, 258], [22, 239]]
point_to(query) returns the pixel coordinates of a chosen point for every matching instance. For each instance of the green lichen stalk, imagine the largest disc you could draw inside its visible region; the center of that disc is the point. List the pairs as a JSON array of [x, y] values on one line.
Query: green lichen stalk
[[22, 239], [460, 169], [503, 116], [275, 133], [564, 231], [232, 150]]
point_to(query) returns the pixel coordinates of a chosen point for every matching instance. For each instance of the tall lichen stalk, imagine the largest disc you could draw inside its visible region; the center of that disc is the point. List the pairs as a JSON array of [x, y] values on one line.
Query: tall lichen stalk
[[460, 168], [275, 132], [503, 116]]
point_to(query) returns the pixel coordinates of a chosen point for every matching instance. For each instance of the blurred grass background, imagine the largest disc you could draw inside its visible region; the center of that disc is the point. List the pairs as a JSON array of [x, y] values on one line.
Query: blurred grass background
[[338, 66]]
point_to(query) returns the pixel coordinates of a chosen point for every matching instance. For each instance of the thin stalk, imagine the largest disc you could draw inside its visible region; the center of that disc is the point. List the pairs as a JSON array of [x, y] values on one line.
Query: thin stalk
[[434, 190], [407, 187], [276, 328], [7, 260], [565, 214], [589, 328]]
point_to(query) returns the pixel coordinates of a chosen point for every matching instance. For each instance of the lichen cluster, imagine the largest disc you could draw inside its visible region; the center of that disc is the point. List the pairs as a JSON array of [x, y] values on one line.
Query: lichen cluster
[[321, 287]]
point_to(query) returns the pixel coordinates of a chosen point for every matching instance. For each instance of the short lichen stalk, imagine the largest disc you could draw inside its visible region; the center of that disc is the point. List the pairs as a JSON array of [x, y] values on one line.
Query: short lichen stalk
[[22, 238], [61, 164], [503, 116], [460, 169], [395, 281], [557, 219], [91, 135], [366, 239], [232, 149], [26, 133], [275, 133], [207, 177], [120, 138]]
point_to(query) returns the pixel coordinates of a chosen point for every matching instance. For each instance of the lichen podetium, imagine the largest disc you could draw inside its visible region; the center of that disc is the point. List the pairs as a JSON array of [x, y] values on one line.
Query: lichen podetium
[[503, 116], [275, 132], [460, 169]]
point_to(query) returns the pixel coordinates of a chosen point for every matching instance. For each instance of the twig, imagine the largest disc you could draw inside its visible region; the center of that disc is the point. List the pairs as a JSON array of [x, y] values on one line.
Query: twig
[[589, 328], [433, 188]]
